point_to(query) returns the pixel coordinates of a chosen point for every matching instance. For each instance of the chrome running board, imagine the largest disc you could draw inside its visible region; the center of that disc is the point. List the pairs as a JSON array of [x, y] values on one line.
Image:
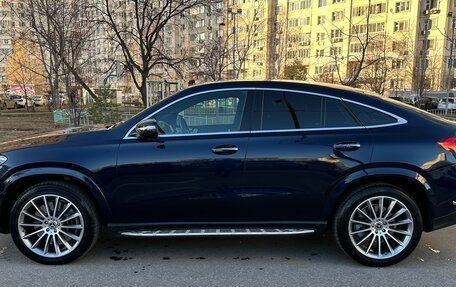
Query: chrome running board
[[217, 232]]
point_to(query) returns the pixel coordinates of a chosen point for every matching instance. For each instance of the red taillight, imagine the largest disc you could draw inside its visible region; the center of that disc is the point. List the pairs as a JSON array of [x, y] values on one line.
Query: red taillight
[[449, 144]]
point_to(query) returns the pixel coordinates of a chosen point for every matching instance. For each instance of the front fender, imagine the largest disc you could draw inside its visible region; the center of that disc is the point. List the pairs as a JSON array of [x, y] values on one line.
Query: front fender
[[34, 174]]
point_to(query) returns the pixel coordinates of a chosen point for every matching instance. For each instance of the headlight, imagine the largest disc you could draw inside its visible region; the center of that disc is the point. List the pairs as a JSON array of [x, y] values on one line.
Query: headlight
[[3, 159]]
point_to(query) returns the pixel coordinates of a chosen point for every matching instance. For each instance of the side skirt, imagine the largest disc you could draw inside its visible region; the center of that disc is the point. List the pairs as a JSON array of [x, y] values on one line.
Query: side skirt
[[215, 229]]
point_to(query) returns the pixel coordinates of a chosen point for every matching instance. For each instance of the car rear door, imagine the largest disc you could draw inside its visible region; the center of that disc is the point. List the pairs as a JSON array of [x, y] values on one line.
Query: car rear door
[[300, 146], [194, 172]]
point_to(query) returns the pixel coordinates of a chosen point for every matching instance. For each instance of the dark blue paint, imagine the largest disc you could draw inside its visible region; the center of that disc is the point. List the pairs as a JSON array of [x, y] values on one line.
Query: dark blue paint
[[277, 177]]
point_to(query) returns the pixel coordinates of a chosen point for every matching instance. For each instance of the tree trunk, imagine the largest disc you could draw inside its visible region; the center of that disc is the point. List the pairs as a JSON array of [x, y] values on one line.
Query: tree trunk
[[143, 90]]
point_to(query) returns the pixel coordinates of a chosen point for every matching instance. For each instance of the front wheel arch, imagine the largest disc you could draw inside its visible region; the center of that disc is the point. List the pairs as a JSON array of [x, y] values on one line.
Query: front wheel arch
[[15, 189]]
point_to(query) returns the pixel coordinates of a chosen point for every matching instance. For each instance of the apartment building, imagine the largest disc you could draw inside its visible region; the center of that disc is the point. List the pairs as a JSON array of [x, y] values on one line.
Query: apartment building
[[329, 37], [8, 24], [250, 30]]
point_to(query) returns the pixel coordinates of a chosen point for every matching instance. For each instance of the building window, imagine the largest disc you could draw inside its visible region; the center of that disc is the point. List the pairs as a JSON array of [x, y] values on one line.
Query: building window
[[355, 48], [320, 53], [402, 6], [322, 3], [303, 53], [431, 4], [337, 15], [199, 23], [321, 20], [301, 39], [257, 73], [401, 26], [378, 8], [338, 1], [293, 23], [304, 21], [321, 37], [397, 64], [360, 11], [397, 84], [291, 55], [373, 28], [299, 5], [336, 36], [430, 44], [335, 51]]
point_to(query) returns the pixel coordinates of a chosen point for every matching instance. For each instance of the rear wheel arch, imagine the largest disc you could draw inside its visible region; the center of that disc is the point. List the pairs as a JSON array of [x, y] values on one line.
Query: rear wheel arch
[[16, 188], [412, 187]]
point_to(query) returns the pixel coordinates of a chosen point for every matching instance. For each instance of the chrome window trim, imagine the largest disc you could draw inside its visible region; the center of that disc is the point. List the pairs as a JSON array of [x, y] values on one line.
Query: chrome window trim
[[400, 121]]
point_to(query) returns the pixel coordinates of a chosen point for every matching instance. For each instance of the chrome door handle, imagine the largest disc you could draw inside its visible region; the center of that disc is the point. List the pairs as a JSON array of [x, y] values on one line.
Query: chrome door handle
[[225, 149], [347, 146]]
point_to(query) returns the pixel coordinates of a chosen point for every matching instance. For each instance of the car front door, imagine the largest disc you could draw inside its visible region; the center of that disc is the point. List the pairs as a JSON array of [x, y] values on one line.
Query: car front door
[[301, 144], [194, 171]]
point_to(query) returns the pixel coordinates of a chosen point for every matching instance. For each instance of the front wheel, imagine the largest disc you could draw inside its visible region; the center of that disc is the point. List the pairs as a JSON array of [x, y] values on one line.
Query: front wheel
[[54, 223], [378, 225]]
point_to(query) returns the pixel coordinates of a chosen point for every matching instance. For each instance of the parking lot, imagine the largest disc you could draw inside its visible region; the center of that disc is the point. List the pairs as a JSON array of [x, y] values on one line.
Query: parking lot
[[240, 261]]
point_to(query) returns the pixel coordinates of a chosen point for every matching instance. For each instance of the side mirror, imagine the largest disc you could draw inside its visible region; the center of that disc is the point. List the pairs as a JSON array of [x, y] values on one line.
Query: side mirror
[[147, 129]]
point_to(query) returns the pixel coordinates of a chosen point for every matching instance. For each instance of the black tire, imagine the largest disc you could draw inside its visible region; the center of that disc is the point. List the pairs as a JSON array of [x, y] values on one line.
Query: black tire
[[72, 194], [350, 203]]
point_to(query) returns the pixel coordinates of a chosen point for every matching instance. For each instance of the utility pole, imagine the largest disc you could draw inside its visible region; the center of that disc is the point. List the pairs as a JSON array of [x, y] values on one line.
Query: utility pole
[[450, 62], [423, 59], [234, 13]]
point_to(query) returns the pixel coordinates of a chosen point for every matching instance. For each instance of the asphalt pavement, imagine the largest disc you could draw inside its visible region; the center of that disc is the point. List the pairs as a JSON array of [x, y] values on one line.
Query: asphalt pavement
[[232, 261]]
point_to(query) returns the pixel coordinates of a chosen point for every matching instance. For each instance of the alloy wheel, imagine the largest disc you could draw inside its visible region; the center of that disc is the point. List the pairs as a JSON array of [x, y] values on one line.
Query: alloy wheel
[[381, 227], [50, 226]]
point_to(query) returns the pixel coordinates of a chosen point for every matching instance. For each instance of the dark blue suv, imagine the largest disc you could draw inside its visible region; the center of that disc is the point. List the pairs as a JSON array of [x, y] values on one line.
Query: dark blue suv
[[237, 158]]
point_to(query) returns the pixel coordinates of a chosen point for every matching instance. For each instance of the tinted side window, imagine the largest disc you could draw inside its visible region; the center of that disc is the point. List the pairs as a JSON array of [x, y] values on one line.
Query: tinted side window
[[336, 115], [370, 117], [207, 113], [285, 110]]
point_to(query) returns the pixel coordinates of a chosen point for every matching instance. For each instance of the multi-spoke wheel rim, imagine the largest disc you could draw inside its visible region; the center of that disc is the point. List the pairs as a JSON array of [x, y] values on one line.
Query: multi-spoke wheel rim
[[51, 225], [381, 227]]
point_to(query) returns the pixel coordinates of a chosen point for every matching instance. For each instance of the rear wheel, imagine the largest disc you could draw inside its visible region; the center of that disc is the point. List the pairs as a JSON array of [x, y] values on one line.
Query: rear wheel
[[378, 225], [54, 223]]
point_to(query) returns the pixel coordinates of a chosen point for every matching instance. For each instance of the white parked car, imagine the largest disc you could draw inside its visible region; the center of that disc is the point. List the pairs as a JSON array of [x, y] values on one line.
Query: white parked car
[[39, 101], [16, 102], [443, 104]]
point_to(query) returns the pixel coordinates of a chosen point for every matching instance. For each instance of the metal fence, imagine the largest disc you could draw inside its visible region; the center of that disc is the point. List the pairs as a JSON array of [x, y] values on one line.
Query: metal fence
[[449, 115], [65, 117]]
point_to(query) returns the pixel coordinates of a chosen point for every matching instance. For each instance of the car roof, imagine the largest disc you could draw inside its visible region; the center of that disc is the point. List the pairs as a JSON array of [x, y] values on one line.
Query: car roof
[[283, 84]]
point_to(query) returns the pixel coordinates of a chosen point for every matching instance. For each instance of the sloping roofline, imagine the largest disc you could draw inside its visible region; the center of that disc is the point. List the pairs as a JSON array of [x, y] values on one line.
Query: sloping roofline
[[311, 86]]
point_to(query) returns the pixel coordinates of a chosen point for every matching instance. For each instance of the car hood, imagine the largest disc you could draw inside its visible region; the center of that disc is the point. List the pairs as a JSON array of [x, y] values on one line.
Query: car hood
[[48, 138]]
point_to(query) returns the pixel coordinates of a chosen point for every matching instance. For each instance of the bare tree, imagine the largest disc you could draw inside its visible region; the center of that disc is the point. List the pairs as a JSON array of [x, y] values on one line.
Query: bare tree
[[375, 75], [282, 44], [142, 41], [63, 30], [213, 62], [360, 56], [248, 31], [210, 54]]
